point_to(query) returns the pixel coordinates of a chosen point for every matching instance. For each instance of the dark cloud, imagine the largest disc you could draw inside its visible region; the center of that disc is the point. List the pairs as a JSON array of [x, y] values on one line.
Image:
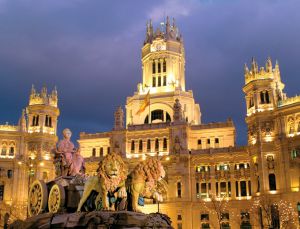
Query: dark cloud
[[91, 51]]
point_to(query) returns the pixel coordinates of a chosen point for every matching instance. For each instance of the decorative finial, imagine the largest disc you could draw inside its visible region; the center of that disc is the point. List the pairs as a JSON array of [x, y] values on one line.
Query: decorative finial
[[269, 64], [254, 66], [246, 70], [32, 90]]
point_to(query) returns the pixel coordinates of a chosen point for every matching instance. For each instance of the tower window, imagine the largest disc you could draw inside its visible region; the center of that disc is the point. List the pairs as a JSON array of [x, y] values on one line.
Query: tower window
[[165, 144], [199, 142], [33, 121], [153, 67], [156, 144], [46, 121], [217, 140], [132, 146], [159, 67], [159, 81], [267, 97], [168, 118], [50, 122], [9, 173], [165, 81], [108, 150], [157, 114], [251, 102], [164, 66], [101, 151], [37, 120], [148, 145], [208, 141], [179, 189], [262, 97], [94, 152], [153, 81], [197, 189], [272, 182], [140, 146]]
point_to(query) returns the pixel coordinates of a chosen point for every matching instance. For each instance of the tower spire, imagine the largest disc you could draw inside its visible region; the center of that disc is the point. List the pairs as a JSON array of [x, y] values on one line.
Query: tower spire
[[269, 64]]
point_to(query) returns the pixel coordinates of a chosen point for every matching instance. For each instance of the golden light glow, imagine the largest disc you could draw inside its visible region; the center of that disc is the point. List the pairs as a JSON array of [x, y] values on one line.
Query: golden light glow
[[42, 164]]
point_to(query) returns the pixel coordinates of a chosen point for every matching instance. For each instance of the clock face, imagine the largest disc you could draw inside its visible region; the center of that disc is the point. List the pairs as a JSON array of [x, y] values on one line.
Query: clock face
[[158, 46]]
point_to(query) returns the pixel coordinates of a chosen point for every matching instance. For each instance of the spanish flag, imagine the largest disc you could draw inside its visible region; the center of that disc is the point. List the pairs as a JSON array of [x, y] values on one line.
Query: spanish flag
[[145, 103]]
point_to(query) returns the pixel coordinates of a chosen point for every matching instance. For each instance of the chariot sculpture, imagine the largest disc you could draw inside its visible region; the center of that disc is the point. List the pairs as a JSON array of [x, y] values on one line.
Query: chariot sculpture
[[112, 188]]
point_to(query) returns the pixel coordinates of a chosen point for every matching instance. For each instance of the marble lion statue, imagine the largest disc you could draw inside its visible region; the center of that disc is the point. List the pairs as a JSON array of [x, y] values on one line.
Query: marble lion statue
[[142, 182], [108, 185]]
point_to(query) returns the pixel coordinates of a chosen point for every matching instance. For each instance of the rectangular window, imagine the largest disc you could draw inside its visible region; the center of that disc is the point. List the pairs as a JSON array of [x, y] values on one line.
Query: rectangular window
[[94, 152], [217, 140], [148, 145], [229, 189], [101, 151], [165, 81], [108, 150], [243, 188], [208, 141], [223, 188], [153, 67], [237, 188], [217, 189], [159, 67], [197, 190], [179, 189], [164, 66], [249, 187], [153, 82], [199, 142], [159, 81], [203, 190]]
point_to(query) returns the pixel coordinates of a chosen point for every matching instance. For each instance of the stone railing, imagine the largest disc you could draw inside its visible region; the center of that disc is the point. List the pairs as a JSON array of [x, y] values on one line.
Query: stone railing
[[8, 127], [242, 173], [289, 101]]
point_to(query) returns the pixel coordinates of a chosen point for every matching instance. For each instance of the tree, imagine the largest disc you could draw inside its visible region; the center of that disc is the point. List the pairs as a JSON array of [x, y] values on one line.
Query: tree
[[274, 214], [218, 205]]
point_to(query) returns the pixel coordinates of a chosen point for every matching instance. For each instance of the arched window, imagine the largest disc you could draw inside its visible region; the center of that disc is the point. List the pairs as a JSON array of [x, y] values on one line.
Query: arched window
[[168, 117], [159, 67], [146, 120], [11, 151], [4, 150], [164, 66], [132, 146], [148, 145], [157, 114], [272, 182], [153, 67], [140, 146], [156, 144], [165, 144]]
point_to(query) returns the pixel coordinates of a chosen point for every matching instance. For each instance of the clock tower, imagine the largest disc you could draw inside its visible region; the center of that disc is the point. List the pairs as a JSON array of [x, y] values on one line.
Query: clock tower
[[163, 69]]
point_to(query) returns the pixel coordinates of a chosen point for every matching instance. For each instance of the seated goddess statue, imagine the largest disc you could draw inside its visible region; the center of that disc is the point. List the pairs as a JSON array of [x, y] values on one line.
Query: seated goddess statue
[[68, 161]]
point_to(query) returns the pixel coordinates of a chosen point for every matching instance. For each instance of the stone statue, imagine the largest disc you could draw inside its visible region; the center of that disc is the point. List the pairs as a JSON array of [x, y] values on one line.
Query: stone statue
[[109, 186], [67, 160], [143, 181]]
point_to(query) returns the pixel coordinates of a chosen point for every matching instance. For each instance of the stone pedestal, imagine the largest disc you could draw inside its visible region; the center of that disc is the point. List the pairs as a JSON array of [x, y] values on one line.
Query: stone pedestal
[[96, 220]]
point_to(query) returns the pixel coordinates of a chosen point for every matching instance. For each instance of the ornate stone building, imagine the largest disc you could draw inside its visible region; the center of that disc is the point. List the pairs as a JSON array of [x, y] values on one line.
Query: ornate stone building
[[25, 152], [210, 180]]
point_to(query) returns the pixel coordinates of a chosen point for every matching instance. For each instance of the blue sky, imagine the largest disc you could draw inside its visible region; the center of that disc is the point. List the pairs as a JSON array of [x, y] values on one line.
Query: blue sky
[[91, 51]]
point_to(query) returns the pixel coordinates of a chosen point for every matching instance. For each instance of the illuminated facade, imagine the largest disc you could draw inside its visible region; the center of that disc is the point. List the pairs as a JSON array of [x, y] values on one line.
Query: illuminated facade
[[25, 152], [202, 161]]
